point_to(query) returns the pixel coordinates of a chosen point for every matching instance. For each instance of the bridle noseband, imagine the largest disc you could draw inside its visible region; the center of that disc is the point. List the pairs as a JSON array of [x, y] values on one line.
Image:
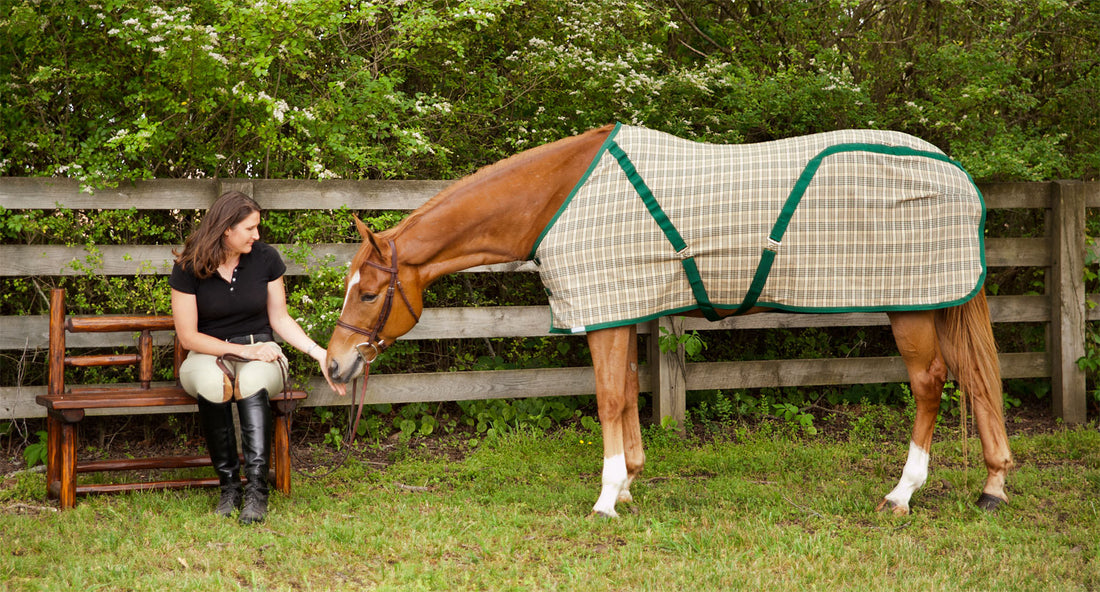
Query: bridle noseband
[[377, 346]]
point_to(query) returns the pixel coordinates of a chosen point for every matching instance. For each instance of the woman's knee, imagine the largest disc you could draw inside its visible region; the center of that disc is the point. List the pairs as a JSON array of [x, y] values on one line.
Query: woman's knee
[[201, 377], [256, 376]]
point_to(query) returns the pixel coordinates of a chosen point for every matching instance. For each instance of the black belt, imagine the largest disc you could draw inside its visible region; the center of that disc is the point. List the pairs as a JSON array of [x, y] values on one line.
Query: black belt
[[250, 339]]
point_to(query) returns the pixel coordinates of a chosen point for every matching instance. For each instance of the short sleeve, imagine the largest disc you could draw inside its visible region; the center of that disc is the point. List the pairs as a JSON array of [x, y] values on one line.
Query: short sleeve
[[273, 263], [183, 280]]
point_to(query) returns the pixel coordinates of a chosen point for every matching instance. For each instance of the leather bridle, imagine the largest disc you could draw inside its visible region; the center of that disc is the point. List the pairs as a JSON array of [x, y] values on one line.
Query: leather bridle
[[376, 346]]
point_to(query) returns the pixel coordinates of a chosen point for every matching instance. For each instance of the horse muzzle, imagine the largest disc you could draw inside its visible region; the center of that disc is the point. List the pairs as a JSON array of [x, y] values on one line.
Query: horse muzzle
[[354, 362], [346, 370]]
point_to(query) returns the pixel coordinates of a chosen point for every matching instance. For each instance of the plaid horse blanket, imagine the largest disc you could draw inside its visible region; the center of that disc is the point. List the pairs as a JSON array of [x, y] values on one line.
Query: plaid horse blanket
[[854, 220]]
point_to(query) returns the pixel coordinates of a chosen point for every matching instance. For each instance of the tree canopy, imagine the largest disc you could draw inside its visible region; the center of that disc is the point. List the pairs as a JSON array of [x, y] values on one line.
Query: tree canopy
[[111, 90]]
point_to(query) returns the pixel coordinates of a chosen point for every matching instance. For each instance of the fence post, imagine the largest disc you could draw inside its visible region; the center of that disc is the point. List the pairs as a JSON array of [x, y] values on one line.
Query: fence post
[[1068, 301], [668, 379]]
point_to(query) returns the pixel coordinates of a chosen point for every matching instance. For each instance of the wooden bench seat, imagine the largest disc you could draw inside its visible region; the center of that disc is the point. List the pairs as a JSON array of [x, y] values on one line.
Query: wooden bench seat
[[105, 397], [66, 408]]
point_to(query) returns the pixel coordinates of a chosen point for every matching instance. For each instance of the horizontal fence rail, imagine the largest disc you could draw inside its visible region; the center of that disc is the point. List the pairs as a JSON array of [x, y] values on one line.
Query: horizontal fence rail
[[1063, 307], [61, 260]]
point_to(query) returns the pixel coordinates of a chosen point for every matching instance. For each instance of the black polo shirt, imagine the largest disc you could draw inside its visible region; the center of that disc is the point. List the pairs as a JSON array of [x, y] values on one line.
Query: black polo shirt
[[232, 309]]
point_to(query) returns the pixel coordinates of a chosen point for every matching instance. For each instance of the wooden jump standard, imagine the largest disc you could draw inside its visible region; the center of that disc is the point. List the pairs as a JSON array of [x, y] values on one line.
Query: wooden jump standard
[[66, 407]]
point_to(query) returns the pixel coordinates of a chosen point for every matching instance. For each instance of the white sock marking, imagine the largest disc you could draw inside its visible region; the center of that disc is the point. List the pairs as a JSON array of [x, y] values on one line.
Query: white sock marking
[[624, 494], [614, 479], [913, 476]]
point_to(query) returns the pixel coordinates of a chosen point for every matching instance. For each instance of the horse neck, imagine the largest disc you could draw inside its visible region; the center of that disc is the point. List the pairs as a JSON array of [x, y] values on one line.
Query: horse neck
[[495, 215]]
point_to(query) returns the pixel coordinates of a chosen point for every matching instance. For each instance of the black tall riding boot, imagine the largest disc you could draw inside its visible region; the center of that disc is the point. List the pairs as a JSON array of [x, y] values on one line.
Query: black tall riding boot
[[256, 431], [221, 441]]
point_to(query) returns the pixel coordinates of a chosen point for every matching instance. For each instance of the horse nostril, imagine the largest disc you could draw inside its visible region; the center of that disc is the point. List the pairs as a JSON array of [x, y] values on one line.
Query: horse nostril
[[333, 369]]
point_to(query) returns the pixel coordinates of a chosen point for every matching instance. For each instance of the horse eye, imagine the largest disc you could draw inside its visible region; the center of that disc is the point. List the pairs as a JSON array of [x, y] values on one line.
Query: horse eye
[[368, 297]]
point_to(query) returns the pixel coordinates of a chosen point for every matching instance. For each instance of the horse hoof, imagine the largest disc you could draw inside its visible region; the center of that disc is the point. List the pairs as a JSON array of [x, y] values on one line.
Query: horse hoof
[[990, 503], [595, 515], [897, 510], [625, 497]]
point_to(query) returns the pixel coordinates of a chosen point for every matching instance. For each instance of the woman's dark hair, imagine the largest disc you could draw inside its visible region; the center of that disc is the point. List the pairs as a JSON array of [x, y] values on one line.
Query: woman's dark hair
[[203, 251]]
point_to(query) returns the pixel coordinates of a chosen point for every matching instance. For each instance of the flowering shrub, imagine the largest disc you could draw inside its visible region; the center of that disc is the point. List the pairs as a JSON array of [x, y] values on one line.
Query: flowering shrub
[[104, 91], [107, 90]]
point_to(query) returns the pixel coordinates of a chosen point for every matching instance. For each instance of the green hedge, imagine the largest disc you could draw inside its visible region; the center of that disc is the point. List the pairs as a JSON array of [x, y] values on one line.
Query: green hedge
[[315, 89], [433, 89]]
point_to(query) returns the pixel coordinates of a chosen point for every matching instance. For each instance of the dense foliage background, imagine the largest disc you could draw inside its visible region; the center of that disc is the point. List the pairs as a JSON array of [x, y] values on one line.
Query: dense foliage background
[[112, 90], [428, 89]]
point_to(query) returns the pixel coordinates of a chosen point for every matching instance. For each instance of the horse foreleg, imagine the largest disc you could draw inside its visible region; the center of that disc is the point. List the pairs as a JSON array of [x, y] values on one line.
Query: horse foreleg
[[915, 334], [615, 360], [632, 428]]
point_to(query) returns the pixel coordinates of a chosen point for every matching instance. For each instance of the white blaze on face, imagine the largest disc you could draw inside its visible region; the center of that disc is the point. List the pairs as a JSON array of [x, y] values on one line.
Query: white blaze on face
[[352, 284], [913, 476], [614, 480]]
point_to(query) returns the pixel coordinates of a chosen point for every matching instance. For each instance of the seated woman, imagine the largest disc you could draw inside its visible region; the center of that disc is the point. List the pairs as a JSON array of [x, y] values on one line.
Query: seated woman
[[228, 298]]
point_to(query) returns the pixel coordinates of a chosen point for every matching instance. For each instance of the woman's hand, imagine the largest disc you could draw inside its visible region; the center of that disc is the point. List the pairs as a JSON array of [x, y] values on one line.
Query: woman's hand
[[319, 353], [292, 332], [263, 352], [321, 356]]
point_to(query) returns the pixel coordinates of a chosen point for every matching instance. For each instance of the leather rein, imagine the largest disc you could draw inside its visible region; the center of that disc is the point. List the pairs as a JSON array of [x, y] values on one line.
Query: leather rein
[[376, 346]]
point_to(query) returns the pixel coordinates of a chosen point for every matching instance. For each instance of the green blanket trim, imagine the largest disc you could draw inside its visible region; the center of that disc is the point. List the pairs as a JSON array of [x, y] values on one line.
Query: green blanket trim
[[775, 237], [667, 227], [576, 188]]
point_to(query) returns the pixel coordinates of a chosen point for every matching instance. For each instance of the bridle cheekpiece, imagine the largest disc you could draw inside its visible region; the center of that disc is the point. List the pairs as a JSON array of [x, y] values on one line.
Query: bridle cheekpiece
[[370, 349]]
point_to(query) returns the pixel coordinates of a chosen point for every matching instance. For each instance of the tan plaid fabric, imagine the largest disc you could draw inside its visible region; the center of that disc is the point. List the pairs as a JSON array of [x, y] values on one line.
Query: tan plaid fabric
[[872, 232]]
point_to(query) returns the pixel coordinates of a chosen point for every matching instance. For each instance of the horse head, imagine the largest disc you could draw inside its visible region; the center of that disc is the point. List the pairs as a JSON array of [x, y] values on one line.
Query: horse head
[[382, 301]]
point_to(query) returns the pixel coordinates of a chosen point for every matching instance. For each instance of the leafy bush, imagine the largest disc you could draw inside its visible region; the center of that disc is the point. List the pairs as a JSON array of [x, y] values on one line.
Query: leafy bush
[[429, 89], [109, 91]]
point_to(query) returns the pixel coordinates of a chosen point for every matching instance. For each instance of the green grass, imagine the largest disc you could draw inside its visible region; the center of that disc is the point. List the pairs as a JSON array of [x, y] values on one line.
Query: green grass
[[755, 512]]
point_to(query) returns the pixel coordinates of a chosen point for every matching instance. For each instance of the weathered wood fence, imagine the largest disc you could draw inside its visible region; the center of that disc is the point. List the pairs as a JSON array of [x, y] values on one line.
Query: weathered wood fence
[[1063, 307]]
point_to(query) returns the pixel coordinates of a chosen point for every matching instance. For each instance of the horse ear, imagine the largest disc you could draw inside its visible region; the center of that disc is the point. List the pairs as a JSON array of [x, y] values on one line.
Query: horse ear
[[361, 227], [366, 233]]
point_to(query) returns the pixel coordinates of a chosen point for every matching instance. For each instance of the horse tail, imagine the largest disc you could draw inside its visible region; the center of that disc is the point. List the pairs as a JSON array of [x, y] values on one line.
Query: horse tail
[[966, 342]]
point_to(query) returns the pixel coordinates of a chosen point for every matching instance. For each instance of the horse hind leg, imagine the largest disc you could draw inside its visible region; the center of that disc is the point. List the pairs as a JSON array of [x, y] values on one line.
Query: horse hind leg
[[614, 358], [915, 334], [966, 339]]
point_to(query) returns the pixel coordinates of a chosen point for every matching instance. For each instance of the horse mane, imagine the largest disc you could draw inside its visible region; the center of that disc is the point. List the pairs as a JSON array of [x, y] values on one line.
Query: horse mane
[[490, 170]]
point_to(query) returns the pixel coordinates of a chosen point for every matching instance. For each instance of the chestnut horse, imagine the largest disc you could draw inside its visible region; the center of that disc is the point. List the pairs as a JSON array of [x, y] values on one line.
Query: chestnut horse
[[496, 215]]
